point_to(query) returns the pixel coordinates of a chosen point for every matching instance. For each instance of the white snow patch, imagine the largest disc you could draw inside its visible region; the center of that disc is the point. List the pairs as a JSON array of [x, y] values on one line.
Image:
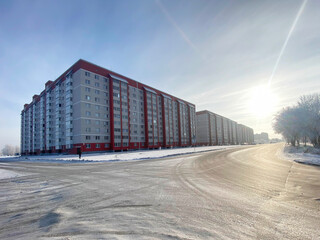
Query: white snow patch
[[122, 156], [306, 155], [2, 156], [4, 174]]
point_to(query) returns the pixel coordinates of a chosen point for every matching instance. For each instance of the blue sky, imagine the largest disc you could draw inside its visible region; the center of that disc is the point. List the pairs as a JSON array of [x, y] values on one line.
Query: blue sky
[[211, 53]]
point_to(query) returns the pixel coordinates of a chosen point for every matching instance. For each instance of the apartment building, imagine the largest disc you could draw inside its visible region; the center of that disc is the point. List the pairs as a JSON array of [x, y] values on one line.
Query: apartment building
[[214, 129], [94, 109], [246, 134]]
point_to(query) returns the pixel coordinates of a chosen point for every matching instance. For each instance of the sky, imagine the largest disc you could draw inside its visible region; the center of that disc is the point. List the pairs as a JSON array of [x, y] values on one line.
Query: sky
[[244, 60]]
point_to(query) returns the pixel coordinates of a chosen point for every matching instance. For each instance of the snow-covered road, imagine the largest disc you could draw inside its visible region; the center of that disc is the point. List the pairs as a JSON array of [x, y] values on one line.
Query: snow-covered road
[[4, 174], [121, 156], [239, 193]]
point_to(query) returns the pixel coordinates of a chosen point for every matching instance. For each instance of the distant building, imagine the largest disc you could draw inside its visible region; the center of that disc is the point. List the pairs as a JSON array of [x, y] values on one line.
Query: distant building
[[275, 140], [214, 129], [90, 108], [261, 138]]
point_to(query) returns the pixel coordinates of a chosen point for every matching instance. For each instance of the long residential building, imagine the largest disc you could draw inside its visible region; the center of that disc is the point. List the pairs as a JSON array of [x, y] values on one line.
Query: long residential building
[[214, 129], [94, 109]]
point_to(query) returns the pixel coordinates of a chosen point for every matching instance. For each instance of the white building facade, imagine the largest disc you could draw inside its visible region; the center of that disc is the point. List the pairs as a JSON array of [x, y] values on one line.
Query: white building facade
[[90, 108]]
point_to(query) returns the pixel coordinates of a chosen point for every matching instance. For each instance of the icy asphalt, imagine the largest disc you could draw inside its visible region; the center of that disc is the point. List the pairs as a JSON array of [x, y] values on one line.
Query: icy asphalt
[[241, 193]]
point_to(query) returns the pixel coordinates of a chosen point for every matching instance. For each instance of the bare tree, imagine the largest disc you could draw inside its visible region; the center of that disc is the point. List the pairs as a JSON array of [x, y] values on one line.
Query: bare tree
[[287, 124], [10, 150], [301, 121], [310, 104]]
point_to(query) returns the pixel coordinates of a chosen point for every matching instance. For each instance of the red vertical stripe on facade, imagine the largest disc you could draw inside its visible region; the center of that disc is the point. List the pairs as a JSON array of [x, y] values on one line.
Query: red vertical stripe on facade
[[129, 135], [146, 124], [172, 104], [111, 113], [158, 128], [189, 116], [45, 121], [120, 112], [169, 126], [31, 135], [179, 124], [164, 134], [152, 120]]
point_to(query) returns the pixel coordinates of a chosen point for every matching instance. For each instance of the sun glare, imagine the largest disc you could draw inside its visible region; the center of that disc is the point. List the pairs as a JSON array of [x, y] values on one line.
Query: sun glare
[[262, 102]]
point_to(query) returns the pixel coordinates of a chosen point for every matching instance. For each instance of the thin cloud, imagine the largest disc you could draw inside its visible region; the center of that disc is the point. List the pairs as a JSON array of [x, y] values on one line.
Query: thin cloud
[[287, 39], [175, 25]]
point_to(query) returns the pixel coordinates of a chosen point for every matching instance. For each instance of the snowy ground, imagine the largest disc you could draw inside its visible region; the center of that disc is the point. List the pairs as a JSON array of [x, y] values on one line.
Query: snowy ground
[[241, 193], [4, 174], [120, 156], [306, 155]]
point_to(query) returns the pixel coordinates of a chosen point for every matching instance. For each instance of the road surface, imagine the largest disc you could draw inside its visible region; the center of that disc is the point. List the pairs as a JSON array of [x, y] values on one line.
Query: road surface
[[242, 193]]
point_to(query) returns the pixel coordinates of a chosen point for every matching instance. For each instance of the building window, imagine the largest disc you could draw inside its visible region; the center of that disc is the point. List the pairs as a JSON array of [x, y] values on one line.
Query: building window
[[96, 76], [88, 105], [97, 84], [88, 129], [87, 74], [97, 99], [88, 145], [87, 89], [97, 137], [88, 113], [106, 145], [97, 145], [97, 92], [88, 97], [87, 137], [87, 81]]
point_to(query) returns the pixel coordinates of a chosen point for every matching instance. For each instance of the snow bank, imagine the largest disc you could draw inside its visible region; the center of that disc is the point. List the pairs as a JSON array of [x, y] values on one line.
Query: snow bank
[[121, 156], [2, 156], [4, 174], [306, 155]]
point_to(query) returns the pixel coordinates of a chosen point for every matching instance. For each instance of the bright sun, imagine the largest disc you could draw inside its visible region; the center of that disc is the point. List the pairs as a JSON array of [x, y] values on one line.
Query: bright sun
[[262, 102]]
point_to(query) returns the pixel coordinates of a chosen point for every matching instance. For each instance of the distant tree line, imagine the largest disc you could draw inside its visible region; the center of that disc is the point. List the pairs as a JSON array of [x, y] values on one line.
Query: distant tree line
[[10, 150], [300, 123]]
